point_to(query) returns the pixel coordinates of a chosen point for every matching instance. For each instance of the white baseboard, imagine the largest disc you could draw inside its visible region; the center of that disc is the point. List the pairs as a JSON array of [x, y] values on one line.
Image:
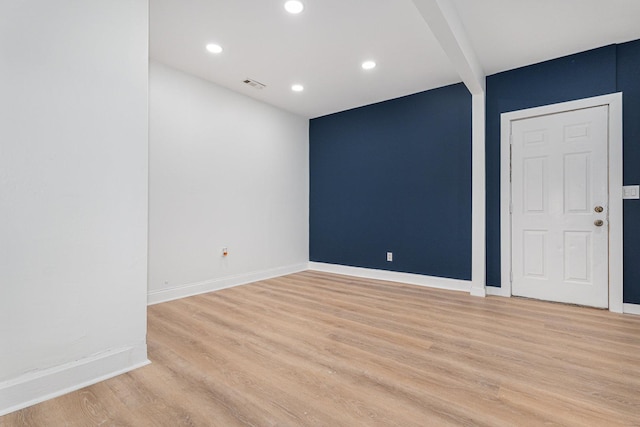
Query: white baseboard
[[191, 289], [495, 291], [36, 387], [478, 291], [393, 276], [631, 309]]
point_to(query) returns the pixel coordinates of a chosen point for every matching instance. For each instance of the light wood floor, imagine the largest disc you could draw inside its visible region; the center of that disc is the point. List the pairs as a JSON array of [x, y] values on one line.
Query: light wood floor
[[327, 350]]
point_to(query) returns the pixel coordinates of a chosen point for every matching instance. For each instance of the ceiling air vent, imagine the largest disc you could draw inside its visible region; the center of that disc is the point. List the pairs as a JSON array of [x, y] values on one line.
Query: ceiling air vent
[[254, 84]]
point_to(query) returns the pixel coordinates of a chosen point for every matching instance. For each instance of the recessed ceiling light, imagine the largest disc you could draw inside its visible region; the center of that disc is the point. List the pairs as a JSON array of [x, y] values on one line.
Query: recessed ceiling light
[[368, 65], [214, 48], [294, 6], [297, 88]]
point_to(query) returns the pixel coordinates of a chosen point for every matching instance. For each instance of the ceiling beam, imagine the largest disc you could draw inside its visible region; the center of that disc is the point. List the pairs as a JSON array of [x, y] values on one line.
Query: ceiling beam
[[442, 18]]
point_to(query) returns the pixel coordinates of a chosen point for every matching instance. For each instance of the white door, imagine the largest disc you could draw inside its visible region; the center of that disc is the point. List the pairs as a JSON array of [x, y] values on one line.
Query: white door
[[559, 207]]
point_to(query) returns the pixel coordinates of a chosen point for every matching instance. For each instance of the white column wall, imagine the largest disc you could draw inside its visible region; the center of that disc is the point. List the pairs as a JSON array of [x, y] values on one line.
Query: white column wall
[[73, 194]]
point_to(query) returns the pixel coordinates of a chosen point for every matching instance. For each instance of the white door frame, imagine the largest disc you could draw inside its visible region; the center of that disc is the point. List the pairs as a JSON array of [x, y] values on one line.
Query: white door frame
[[614, 102]]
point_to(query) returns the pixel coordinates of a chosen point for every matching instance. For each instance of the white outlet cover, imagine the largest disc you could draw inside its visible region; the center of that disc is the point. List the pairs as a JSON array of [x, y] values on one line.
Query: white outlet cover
[[631, 192]]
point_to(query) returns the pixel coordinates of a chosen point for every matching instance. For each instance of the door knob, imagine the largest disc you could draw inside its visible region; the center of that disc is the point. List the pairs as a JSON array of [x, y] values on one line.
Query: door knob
[[598, 222], [598, 209]]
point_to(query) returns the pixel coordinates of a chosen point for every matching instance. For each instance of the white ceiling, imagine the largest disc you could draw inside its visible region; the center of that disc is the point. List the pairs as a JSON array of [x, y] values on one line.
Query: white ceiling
[[323, 47]]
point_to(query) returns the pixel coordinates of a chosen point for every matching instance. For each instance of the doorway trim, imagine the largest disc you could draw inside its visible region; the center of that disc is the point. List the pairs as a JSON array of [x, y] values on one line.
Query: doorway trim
[[614, 102]]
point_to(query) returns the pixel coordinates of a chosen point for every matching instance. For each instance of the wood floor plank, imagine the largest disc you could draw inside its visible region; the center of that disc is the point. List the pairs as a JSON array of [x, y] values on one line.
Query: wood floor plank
[[317, 349], [549, 374]]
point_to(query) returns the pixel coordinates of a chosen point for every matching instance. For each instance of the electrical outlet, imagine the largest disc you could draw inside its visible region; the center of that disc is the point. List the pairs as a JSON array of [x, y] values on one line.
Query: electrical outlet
[[390, 256]]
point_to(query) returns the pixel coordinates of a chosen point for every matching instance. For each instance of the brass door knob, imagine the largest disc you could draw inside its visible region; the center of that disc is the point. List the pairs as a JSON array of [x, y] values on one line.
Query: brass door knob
[[598, 222], [598, 209]]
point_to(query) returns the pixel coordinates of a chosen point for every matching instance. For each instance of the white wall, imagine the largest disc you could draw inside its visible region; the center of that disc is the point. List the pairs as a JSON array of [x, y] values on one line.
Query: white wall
[[225, 171], [73, 194]]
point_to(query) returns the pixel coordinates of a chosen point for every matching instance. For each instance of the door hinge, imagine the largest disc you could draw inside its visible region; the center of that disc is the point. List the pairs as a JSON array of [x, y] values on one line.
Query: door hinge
[[510, 207]]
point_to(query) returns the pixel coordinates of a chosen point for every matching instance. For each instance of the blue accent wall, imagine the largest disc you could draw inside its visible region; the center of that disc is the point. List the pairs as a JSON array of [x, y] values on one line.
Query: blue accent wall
[[394, 176], [609, 69], [628, 72], [569, 78]]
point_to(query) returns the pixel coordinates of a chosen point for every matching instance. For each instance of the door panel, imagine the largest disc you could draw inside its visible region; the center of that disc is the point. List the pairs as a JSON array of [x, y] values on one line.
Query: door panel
[[534, 250], [577, 182], [577, 257], [559, 175], [534, 191]]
